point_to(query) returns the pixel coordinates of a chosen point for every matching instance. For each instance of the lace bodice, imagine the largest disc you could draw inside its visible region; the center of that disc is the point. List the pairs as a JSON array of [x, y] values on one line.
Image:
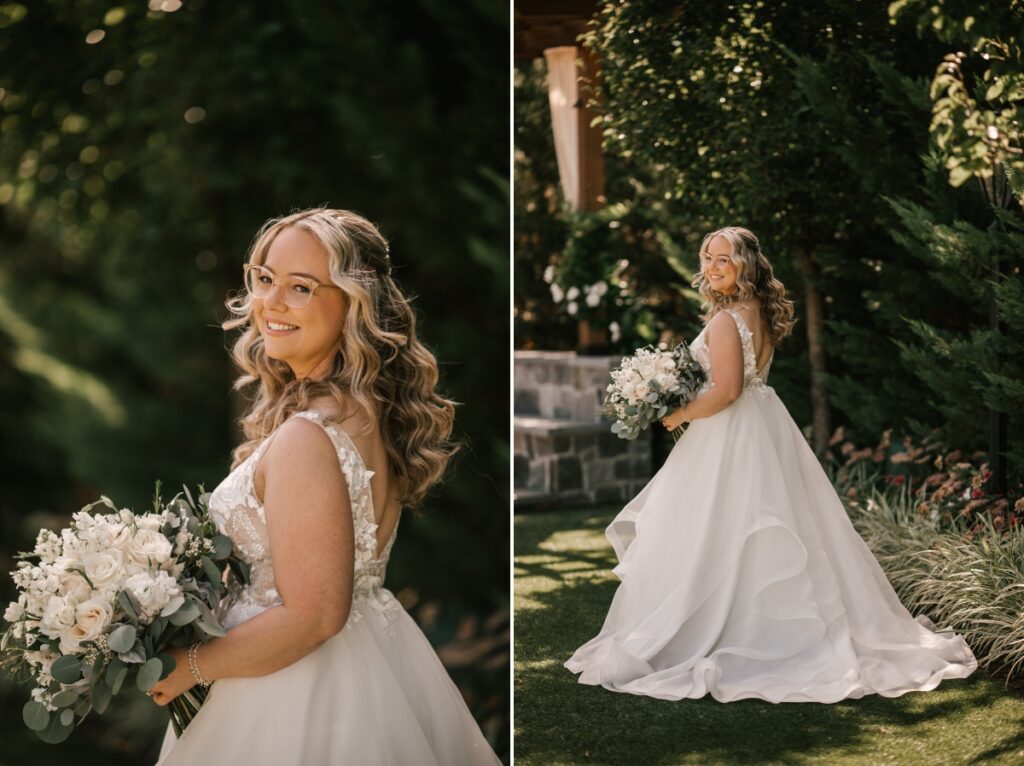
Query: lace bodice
[[751, 376], [239, 514]]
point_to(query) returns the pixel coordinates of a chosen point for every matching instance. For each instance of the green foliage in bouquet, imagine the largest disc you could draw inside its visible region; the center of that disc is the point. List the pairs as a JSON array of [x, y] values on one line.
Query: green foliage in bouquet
[[106, 600]]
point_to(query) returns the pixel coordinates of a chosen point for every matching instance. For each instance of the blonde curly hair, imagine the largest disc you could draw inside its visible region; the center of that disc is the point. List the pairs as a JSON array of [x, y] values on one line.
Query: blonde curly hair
[[379, 365], [754, 278]]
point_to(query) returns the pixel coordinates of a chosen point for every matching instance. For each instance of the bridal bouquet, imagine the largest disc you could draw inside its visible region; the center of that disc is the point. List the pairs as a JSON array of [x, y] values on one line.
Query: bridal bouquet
[[648, 385], [104, 599]]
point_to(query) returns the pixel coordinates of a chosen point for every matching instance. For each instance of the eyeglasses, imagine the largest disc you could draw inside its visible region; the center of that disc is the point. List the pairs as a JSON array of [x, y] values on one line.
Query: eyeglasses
[[296, 291]]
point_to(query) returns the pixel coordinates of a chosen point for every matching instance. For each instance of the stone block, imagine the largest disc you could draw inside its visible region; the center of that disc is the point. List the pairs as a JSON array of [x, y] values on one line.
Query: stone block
[[582, 442], [610, 445], [641, 468], [597, 472], [526, 402], [623, 468], [568, 474], [539, 480]]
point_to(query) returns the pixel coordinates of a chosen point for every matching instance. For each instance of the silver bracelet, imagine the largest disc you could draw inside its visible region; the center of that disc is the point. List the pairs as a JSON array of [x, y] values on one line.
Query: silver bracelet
[[194, 667]]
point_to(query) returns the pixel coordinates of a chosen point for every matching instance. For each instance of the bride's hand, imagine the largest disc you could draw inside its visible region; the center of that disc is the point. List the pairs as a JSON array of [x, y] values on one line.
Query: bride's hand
[[178, 682], [673, 421]]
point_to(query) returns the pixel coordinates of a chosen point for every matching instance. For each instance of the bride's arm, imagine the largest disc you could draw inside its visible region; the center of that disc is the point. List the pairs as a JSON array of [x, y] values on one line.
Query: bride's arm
[[309, 525], [726, 352]]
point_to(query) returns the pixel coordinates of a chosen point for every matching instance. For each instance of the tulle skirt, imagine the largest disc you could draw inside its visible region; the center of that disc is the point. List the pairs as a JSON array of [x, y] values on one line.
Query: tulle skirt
[[375, 693], [743, 577]]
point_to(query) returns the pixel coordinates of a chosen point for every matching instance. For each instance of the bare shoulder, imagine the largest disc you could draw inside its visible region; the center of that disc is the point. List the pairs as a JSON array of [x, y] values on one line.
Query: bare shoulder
[[722, 326], [298, 449]]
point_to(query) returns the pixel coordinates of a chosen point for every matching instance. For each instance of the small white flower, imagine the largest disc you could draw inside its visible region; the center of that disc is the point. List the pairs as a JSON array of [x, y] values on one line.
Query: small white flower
[[16, 609], [572, 293], [153, 591], [549, 273], [572, 308], [556, 293]]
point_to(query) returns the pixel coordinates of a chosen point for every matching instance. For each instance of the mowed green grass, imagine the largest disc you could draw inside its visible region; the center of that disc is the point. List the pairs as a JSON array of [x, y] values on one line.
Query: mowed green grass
[[563, 585]]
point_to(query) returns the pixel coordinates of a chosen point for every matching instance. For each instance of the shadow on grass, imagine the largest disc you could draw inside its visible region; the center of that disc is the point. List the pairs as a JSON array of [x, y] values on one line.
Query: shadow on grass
[[563, 589]]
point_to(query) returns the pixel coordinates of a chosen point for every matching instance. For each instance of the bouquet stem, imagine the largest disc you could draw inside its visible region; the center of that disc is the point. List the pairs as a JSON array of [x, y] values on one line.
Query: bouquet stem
[[677, 432], [184, 708]]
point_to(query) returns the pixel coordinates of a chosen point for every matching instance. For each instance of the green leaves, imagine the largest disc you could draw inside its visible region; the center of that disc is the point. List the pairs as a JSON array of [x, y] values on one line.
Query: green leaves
[[185, 614], [149, 674], [221, 547], [66, 669], [122, 638], [35, 715]]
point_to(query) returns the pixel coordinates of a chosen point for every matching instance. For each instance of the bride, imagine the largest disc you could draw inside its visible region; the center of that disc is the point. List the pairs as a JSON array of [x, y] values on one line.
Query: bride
[[320, 663], [741, 573]]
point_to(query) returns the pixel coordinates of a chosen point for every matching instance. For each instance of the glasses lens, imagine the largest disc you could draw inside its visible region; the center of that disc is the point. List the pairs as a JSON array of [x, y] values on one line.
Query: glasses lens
[[295, 291], [257, 281]]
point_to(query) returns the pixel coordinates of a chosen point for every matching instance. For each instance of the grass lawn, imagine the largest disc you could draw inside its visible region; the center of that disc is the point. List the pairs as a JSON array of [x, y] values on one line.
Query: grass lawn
[[563, 586]]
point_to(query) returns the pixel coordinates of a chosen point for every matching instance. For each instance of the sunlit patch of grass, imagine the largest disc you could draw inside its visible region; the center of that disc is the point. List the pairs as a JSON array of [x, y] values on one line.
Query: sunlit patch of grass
[[563, 588]]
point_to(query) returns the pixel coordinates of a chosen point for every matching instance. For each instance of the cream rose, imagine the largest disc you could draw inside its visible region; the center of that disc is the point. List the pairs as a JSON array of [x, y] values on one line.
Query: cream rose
[[91, 619], [104, 568], [149, 545]]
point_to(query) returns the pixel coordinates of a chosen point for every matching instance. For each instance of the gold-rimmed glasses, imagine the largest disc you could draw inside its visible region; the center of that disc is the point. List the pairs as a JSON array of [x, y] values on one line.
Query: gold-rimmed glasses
[[296, 290]]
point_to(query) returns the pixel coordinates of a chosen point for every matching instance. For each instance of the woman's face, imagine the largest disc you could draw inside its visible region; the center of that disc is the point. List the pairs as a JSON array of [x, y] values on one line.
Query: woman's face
[[310, 335], [717, 266]]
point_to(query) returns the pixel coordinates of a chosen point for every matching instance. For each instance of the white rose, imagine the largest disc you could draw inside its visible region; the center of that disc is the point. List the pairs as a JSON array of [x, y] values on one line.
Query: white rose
[[150, 545], [75, 587], [104, 567], [91, 619]]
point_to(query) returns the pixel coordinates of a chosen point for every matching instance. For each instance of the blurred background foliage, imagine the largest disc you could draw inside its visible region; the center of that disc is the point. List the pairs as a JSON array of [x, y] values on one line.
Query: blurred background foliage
[[837, 133], [142, 147]]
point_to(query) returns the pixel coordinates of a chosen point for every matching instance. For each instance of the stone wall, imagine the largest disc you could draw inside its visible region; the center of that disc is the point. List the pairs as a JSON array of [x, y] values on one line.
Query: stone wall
[[564, 451]]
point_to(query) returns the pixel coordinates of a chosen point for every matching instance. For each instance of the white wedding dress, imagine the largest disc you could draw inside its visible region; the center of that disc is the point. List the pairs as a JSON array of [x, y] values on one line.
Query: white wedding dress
[[742, 576], [375, 693]]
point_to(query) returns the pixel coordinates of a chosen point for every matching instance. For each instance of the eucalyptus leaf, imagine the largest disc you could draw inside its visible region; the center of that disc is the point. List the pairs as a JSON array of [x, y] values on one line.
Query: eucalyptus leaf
[[67, 717], [67, 669], [168, 662], [149, 674], [96, 670], [35, 715], [185, 614], [57, 731], [101, 695], [135, 655], [211, 571], [116, 672], [221, 547], [65, 698], [172, 606], [122, 638], [129, 604]]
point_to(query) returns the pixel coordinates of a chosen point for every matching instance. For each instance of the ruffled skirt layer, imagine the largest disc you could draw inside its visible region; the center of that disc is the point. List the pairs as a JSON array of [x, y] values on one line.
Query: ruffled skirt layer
[[743, 577]]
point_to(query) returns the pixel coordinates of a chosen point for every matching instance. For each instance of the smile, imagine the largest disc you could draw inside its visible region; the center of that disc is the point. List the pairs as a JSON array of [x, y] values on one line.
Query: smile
[[278, 327]]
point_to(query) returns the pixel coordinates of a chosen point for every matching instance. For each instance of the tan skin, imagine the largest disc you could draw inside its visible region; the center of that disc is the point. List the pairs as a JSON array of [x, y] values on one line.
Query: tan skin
[[309, 523], [723, 339]]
